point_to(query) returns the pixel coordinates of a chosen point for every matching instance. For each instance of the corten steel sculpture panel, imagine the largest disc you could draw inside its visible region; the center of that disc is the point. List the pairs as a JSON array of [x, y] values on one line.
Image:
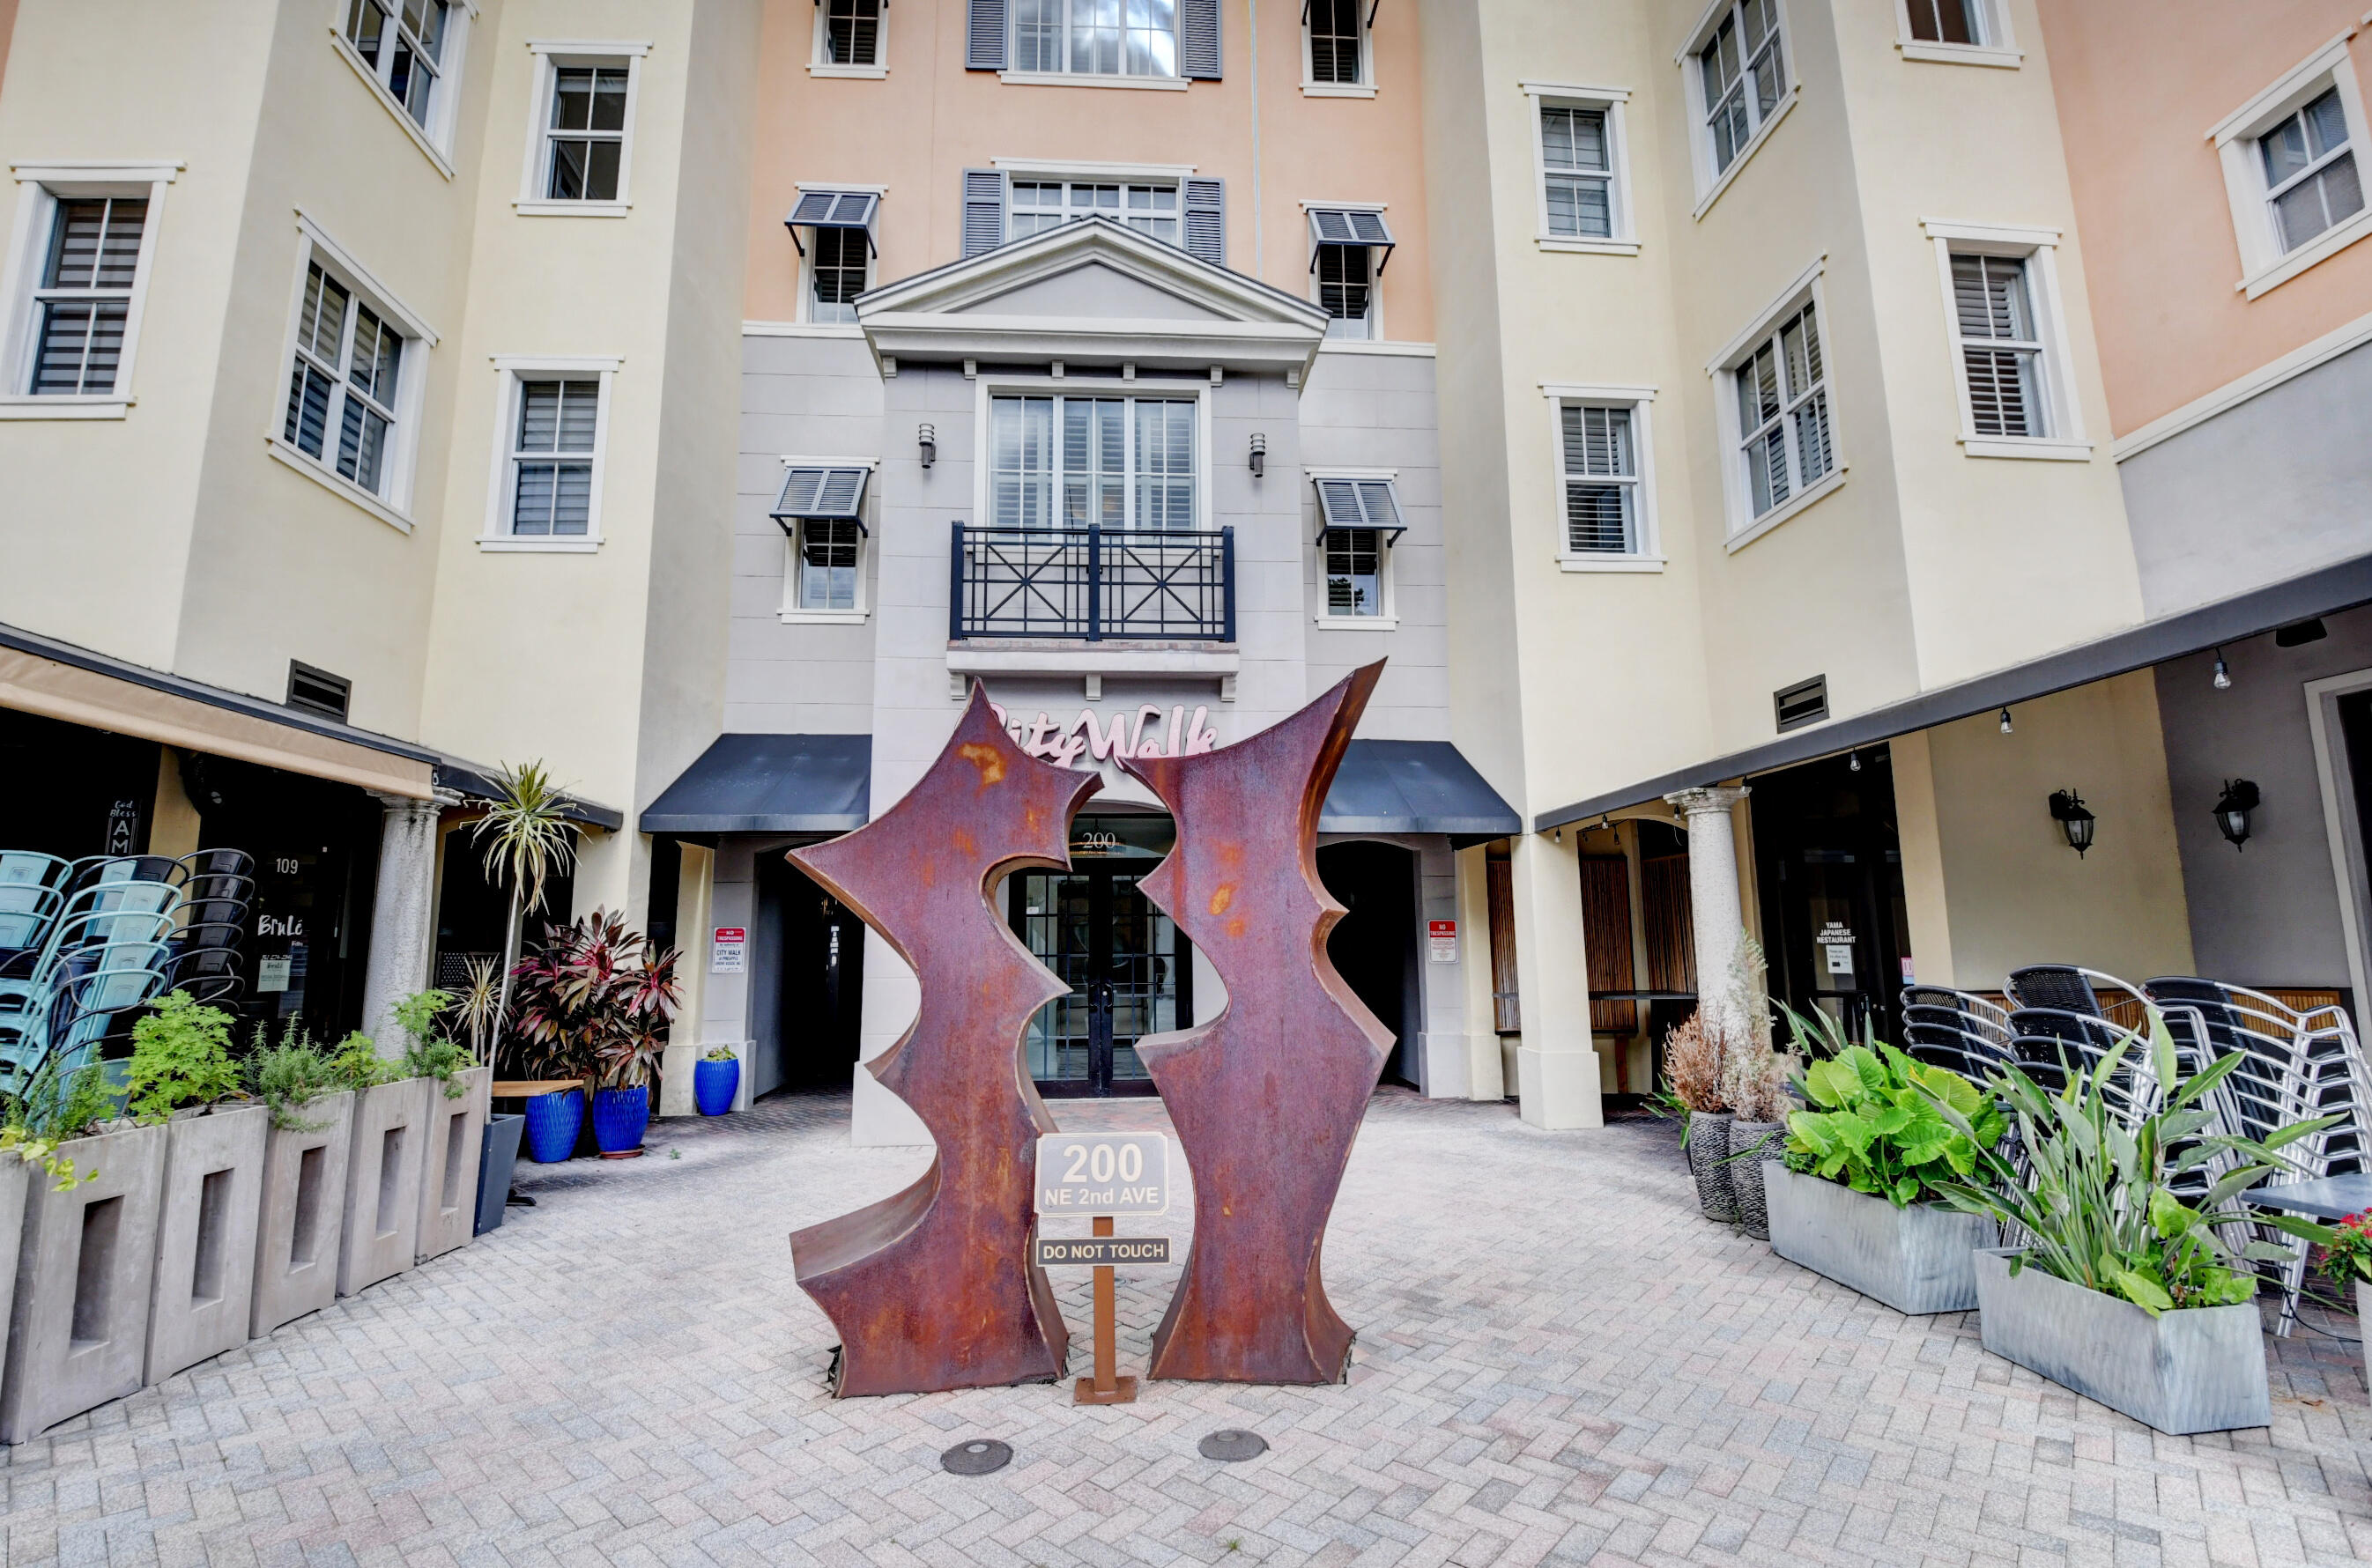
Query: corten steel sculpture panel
[[1267, 1096], [934, 1288]]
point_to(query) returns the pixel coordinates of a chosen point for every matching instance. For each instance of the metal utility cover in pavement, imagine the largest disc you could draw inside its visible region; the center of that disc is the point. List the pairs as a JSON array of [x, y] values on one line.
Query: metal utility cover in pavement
[[1108, 1251], [1120, 1175], [978, 1457], [1232, 1444]]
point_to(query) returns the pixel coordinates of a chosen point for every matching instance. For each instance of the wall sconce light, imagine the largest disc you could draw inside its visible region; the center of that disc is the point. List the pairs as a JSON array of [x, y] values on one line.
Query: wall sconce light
[[927, 437], [2232, 808], [2067, 811], [1259, 455], [2004, 721], [2223, 675]]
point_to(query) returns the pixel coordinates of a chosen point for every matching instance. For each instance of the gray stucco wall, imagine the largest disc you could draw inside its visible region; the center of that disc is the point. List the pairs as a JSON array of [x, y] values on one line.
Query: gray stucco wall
[[2279, 486], [2267, 914]]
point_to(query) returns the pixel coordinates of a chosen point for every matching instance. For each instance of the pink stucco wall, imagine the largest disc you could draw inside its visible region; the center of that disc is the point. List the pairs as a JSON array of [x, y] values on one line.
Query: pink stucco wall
[[918, 130], [2139, 83]]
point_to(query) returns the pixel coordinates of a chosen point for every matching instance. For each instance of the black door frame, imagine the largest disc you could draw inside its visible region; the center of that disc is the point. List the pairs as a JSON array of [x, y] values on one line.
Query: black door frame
[[1097, 983]]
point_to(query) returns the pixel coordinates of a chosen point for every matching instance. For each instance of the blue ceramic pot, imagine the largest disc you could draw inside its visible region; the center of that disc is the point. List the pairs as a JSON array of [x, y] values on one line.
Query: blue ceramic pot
[[553, 1122], [619, 1118], [713, 1085]]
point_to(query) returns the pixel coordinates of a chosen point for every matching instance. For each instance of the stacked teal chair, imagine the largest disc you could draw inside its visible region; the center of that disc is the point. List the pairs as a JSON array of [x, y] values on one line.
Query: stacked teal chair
[[106, 954]]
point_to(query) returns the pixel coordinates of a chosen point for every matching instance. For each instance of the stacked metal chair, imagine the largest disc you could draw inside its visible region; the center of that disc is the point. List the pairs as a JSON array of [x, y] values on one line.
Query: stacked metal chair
[[32, 893], [217, 892], [1956, 1030], [105, 954]]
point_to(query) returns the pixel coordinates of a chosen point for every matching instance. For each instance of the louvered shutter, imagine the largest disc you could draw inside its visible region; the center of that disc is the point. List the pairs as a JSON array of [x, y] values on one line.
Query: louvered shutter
[[983, 209], [985, 35], [1206, 220], [1198, 39]]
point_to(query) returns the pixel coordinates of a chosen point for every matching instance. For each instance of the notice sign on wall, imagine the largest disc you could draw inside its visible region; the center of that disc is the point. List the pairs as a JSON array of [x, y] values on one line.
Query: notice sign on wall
[[727, 949], [1441, 941]]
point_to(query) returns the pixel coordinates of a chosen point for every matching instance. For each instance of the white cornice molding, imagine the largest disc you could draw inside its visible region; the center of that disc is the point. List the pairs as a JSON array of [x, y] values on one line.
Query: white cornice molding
[[110, 171], [2232, 393], [1569, 89], [1087, 168], [636, 48], [2244, 120], [1989, 233], [1765, 318]]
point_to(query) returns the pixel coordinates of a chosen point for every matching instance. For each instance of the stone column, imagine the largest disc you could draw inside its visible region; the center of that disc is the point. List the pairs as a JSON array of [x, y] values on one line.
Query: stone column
[[1556, 1062], [1718, 921], [403, 913]]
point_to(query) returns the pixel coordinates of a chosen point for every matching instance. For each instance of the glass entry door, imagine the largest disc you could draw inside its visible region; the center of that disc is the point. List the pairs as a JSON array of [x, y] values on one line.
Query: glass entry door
[[1129, 971]]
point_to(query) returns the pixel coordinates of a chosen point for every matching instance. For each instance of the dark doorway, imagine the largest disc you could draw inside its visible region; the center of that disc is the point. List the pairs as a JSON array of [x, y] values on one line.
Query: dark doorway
[[1130, 970], [69, 792], [474, 914], [1830, 865], [2355, 737], [1374, 947], [807, 1010]]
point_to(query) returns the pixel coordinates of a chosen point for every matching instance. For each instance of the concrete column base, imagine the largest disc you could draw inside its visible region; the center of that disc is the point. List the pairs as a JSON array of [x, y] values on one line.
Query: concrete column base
[[1558, 1088], [383, 1211], [205, 1237], [1486, 1070], [455, 1138]]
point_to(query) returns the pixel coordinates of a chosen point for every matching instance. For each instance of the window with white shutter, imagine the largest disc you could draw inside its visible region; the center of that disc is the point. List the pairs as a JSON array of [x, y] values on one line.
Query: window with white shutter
[[1606, 514], [837, 255], [2001, 350], [1116, 462], [2008, 341], [1358, 522]]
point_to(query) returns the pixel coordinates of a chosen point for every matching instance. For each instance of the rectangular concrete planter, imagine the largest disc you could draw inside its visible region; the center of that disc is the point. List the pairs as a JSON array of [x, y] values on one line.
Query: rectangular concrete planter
[[302, 1214], [2201, 1369], [382, 1215], [78, 1333], [1922, 1259], [204, 1289], [16, 1179], [456, 1143], [494, 1166]]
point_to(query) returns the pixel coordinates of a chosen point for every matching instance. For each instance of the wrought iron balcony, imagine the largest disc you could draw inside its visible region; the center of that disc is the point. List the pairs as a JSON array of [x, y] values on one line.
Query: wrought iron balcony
[[1094, 584]]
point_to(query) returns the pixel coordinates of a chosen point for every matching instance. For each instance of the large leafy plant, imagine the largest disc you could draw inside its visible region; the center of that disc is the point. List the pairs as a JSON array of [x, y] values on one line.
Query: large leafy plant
[[2097, 1202], [181, 1055], [595, 1002], [1876, 1126]]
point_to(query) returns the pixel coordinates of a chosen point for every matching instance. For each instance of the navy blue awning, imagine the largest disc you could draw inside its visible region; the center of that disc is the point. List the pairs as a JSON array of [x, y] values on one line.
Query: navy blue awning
[[1414, 786], [770, 783]]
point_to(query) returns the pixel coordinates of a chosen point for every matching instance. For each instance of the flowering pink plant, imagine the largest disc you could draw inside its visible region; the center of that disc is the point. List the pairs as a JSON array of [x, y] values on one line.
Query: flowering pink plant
[[2349, 1253]]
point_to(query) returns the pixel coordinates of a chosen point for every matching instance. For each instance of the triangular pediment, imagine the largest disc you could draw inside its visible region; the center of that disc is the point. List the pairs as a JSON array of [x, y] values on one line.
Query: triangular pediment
[[1091, 291]]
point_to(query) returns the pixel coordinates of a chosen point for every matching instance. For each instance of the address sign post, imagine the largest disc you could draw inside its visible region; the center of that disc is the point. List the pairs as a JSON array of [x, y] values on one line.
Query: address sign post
[[1104, 1176]]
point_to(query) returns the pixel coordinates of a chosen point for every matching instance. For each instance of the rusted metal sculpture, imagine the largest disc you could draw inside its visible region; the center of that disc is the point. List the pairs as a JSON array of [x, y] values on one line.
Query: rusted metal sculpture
[[934, 1287], [1267, 1096]]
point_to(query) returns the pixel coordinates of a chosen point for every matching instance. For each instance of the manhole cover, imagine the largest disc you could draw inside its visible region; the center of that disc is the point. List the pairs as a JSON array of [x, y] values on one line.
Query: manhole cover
[[980, 1456], [1234, 1444]]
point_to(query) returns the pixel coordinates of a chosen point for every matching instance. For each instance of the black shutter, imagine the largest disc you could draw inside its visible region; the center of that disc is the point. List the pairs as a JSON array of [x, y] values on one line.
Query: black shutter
[[1206, 220], [985, 35], [1198, 39], [983, 207]]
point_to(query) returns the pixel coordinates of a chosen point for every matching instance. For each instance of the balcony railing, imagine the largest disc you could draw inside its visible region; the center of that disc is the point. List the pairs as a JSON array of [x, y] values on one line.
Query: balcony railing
[[1093, 583]]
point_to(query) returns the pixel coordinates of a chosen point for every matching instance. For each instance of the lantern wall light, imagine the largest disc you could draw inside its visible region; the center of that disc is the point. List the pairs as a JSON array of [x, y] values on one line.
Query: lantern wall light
[[927, 437], [1259, 455], [2068, 809], [2232, 808]]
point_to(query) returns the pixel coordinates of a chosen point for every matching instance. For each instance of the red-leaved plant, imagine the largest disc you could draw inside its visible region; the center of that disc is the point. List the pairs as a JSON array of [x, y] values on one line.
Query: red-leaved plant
[[594, 1001]]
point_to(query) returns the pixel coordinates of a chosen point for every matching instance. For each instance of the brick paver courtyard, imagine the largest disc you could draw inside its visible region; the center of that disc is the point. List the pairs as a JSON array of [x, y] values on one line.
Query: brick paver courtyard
[[1558, 1362]]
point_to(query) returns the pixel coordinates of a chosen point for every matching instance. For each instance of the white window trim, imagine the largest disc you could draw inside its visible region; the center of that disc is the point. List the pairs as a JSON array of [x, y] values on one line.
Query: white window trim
[[2264, 264], [2062, 411], [497, 538], [1712, 182], [2336, 782], [1741, 526], [1375, 281], [1082, 170], [551, 55], [807, 261], [1389, 619], [789, 612], [879, 71], [394, 508], [1999, 50], [40, 188], [1649, 555], [1090, 79], [436, 144], [1365, 86], [1625, 240], [987, 386]]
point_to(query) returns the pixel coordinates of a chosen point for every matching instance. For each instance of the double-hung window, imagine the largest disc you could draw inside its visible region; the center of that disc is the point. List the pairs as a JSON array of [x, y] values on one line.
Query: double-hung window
[[2292, 167], [1096, 38], [1358, 522], [343, 383], [1579, 173], [1602, 480], [1957, 32], [551, 429], [1349, 247], [821, 509], [412, 51], [82, 304], [581, 155], [1335, 34], [1741, 79], [1117, 463], [2008, 341], [837, 254], [1777, 413], [848, 34]]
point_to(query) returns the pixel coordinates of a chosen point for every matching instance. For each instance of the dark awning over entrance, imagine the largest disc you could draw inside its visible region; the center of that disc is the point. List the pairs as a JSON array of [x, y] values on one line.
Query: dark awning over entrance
[[1414, 786], [770, 783]]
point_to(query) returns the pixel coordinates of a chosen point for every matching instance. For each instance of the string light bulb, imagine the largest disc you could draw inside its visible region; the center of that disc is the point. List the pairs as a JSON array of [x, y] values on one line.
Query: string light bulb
[[1853, 762], [2005, 722], [2222, 673]]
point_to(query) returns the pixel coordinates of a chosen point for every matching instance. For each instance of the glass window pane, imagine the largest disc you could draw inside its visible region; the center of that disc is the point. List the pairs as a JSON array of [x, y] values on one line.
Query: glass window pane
[[366, 30], [572, 501], [572, 97], [308, 409], [609, 106], [580, 409], [2326, 123], [1598, 520], [538, 415], [601, 170], [531, 499]]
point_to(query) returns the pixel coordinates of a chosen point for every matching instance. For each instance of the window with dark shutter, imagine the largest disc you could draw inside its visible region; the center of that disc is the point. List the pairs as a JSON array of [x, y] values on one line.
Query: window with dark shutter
[[852, 32], [815, 491], [1206, 220], [983, 209], [1335, 39]]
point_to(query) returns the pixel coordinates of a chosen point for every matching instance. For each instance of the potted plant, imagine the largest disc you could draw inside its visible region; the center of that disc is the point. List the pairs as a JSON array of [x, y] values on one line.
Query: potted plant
[[181, 1076], [2121, 1291], [528, 839], [79, 1323], [311, 1102], [1692, 1076], [716, 1079], [475, 1006], [383, 1166], [594, 1001], [454, 1119], [1855, 1198], [2348, 1256], [1756, 1087]]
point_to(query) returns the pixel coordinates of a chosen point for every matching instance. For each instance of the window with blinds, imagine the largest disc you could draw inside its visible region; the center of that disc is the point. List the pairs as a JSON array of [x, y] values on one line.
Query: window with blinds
[[2311, 181], [342, 388], [84, 301], [1355, 571], [1743, 70], [1336, 55], [1576, 164], [1102, 38], [1602, 480], [1783, 413], [585, 142], [852, 32], [403, 46], [2000, 351], [552, 458], [1113, 462]]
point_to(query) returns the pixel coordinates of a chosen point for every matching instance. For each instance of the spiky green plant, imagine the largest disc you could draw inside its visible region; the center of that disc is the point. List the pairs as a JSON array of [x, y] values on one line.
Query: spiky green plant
[[527, 840], [475, 1006]]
